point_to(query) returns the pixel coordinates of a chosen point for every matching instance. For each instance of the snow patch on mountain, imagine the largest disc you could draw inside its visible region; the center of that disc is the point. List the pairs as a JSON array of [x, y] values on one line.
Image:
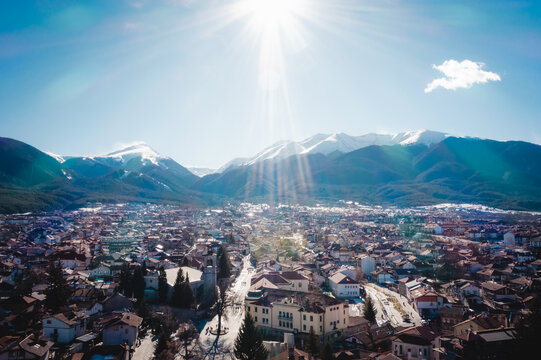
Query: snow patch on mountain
[[140, 149], [57, 157], [328, 143]]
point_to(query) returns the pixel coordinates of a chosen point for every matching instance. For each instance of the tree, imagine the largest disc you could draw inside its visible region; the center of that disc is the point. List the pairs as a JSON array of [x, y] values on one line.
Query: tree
[[139, 284], [162, 285], [185, 261], [230, 238], [223, 301], [224, 264], [187, 294], [369, 310], [58, 291], [312, 344], [326, 354], [248, 344], [144, 268], [126, 285], [186, 334], [182, 291], [359, 274], [528, 329], [162, 345]]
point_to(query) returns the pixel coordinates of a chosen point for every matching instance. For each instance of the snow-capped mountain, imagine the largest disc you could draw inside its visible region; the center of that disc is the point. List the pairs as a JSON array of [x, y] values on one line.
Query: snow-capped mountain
[[138, 150], [340, 142], [135, 163]]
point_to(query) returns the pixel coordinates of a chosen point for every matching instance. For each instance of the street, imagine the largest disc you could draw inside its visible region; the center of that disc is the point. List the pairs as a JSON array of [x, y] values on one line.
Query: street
[[390, 304], [233, 321]]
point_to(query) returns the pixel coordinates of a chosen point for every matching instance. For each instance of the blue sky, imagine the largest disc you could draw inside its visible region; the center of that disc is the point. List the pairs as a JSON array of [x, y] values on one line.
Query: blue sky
[[206, 81]]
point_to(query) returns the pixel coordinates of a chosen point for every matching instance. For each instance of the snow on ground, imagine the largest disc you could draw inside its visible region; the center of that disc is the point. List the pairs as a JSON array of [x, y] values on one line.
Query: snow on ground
[[145, 350], [235, 316], [386, 310]]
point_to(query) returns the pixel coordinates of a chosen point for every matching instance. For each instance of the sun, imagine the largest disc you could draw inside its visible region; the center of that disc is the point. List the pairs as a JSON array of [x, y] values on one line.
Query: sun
[[265, 13]]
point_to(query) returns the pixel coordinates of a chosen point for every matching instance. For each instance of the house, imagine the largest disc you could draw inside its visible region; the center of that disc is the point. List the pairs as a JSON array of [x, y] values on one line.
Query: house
[[117, 302], [15, 348], [382, 276], [122, 329], [478, 323], [416, 343], [426, 302], [343, 286], [63, 328]]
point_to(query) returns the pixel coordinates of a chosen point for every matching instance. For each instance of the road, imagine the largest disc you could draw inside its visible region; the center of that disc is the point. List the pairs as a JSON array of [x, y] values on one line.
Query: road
[[235, 316], [387, 310]]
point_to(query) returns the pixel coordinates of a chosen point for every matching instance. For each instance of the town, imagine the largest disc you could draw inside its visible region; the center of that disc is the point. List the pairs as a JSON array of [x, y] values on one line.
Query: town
[[254, 281]]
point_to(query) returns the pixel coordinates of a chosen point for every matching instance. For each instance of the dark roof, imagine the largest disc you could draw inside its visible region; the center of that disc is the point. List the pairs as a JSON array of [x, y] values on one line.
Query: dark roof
[[311, 302], [497, 335]]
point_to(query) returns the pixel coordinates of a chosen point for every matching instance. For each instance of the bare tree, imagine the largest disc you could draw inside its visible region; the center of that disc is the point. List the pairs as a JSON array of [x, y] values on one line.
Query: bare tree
[[223, 302], [186, 335]]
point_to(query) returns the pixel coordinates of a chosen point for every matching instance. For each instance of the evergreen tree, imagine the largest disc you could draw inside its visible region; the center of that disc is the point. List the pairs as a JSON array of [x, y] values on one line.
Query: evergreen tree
[[139, 284], [126, 285], [224, 264], [162, 345], [369, 310], [248, 344], [58, 291], [162, 285], [187, 294], [312, 344], [178, 289], [144, 268], [326, 354], [185, 261]]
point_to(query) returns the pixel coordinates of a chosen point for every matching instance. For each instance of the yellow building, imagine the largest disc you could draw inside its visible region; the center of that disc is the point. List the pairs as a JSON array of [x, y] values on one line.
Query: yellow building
[[289, 311]]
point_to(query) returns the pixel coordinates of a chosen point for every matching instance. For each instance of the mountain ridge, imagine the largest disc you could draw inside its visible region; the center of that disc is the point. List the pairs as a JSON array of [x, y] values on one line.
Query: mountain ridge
[[488, 172]]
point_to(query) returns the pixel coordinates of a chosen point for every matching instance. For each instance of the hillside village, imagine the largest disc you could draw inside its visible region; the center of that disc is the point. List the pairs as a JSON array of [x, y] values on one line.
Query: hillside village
[[345, 282]]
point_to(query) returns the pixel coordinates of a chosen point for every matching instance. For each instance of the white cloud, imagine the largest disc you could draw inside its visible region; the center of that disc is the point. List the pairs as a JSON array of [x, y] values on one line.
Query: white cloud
[[461, 75]]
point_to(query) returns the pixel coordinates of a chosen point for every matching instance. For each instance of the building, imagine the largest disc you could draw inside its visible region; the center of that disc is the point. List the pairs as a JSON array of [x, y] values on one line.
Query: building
[[288, 311], [343, 286], [122, 329], [15, 348], [63, 328], [416, 343]]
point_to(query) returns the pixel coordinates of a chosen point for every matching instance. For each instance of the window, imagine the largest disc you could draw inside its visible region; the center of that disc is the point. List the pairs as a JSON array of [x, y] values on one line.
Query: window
[[256, 319], [304, 317], [255, 309], [126, 331], [304, 327], [311, 318], [48, 321], [249, 309]]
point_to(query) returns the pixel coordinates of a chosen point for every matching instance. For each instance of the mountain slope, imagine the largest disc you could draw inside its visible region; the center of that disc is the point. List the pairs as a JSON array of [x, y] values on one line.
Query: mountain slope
[[24, 165], [502, 174], [337, 143], [31, 180]]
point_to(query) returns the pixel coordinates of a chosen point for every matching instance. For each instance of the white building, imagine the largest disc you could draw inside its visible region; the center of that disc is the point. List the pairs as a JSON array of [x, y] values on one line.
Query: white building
[[59, 328], [368, 264], [343, 286], [122, 329]]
